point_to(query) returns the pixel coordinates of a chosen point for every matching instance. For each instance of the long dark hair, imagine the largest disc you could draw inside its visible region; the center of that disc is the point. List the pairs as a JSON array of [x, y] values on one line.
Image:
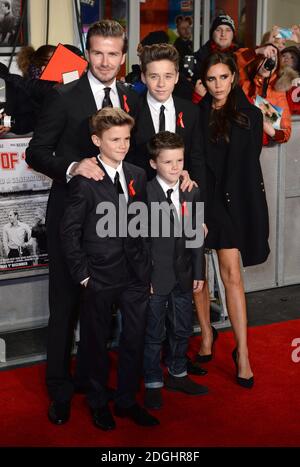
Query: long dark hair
[[220, 121]]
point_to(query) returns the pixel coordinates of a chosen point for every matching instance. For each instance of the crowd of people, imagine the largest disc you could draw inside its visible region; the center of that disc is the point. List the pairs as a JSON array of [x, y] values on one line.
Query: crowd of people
[[102, 140]]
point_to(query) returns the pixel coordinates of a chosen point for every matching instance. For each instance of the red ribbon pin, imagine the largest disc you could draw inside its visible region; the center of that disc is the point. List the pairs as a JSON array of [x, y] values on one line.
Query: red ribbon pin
[[180, 120], [184, 209], [131, 189], [126, 106]]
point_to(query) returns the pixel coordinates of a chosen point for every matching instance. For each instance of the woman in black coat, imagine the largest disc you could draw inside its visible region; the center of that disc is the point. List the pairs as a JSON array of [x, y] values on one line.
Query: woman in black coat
[[236, 211]]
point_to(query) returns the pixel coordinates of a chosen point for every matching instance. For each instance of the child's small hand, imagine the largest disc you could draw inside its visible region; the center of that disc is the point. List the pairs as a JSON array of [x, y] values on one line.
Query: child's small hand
[[197, 286], [186, 182]]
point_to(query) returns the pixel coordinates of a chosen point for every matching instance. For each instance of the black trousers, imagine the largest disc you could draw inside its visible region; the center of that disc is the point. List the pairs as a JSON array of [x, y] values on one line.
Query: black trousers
[[64, 298], [95, 328]]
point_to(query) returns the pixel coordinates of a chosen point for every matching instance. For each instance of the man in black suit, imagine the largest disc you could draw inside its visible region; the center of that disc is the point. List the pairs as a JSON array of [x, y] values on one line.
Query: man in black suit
[[159, 110], [178, 269], [110, 266], [61, 148]]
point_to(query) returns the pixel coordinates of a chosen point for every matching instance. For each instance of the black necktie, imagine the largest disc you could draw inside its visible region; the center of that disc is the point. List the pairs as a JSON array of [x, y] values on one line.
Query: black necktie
[[117, 184], [162, 120], [106, 101], [169, 192]]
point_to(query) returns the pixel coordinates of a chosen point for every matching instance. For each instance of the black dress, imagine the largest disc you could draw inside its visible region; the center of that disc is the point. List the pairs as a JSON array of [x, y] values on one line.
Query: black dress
[[221, 231]]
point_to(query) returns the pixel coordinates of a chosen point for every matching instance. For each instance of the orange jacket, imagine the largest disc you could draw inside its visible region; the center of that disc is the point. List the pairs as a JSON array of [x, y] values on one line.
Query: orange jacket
[[246, 56]]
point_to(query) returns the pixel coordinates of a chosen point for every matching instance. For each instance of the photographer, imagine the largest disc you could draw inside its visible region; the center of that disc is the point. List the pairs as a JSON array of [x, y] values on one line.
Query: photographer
[[290, 63], [259, 76], [183, 44]]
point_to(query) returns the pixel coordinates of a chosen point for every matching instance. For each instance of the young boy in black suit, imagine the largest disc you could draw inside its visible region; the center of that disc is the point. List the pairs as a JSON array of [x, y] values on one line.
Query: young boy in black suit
[[177, 270], [159, 110], [111, 267]]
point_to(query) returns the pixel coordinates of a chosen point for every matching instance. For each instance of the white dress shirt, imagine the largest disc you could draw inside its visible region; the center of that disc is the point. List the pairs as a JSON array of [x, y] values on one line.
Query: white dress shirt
[[170, 113], [174, 195], [111, 172], [98, 91]]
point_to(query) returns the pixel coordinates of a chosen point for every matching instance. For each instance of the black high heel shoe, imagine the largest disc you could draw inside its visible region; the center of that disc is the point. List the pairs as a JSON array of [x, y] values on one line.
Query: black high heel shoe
[[208, 358], [244, 382]]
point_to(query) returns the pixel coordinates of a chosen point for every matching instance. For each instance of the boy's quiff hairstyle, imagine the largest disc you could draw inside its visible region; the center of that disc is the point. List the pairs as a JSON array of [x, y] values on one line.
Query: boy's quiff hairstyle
[[164, 140], [156, 52], [107, 118], [107, 28]]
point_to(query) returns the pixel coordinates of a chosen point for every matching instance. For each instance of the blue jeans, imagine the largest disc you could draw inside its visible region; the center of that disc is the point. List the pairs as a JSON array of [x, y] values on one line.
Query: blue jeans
[[169, 317]]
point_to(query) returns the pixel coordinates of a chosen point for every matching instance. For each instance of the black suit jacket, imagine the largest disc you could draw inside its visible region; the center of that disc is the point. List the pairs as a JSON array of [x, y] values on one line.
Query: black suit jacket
[[108, 261], [172, 260], [62, 136], [187, 126]]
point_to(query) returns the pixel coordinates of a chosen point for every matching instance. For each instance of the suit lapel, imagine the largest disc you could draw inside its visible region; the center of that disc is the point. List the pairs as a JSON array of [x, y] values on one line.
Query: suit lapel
[[124, 98], [86, 97], [145, 122], [179, 117], [161, 198], [130, 182]]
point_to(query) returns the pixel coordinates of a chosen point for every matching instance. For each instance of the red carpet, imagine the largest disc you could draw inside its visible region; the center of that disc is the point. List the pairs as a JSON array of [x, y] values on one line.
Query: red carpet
[[267, 415]]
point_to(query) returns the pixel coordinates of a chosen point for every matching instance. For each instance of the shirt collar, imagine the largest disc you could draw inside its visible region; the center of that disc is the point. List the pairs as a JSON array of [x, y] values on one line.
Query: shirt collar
[[111, 171], [97, 85], [165, 186], [156, 104]]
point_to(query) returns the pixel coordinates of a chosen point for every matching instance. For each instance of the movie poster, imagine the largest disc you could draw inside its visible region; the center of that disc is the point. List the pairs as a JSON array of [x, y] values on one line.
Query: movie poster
[[23, 243], [24, 196], [15, 175]]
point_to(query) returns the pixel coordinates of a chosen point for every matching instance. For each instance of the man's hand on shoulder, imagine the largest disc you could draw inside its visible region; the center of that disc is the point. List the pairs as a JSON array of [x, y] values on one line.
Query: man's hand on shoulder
[[88, 168]]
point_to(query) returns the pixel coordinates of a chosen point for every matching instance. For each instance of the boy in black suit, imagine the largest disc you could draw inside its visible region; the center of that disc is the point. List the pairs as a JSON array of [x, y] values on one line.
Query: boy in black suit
[[177, 270], [159, 110], [111, 267]]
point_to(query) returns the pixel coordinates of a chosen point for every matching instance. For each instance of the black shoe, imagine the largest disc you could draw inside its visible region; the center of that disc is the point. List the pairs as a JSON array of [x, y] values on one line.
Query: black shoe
[[153, 398], [82, 389], [208, 358], [103, 419], [194, 368], [137, 414], [59, 412], [184, 384], [244, 382]]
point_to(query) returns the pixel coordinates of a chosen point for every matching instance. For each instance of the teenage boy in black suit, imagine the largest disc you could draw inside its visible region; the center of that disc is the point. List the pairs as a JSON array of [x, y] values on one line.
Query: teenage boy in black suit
[[61, 147], [177, 271], [110, 267], [159, 110]]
